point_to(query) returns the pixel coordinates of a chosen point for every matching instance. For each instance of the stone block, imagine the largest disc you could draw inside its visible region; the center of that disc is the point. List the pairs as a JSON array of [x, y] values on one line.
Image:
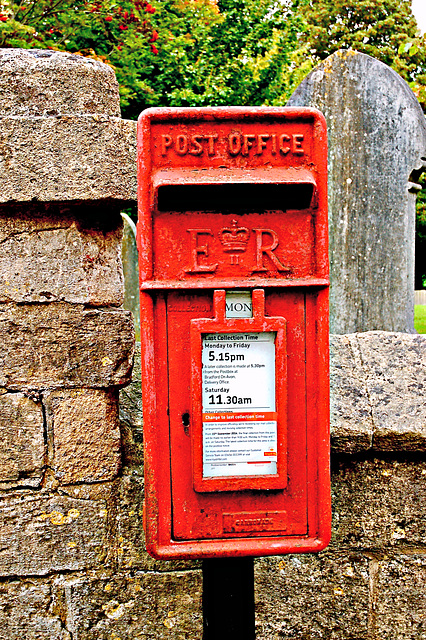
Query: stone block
[[378, 380], [351, 423], [67, 158], [312, 597], [396, 385], [25, 612], [83, 424], [22, 435], [42, 532], [50, 256], [126, 549], [60, 345], [400, 604], [36, 82], [378, 504], [146, 606]]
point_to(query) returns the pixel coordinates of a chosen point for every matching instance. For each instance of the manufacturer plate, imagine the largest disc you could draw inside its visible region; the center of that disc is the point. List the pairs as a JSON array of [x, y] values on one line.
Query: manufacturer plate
[[254, 521]]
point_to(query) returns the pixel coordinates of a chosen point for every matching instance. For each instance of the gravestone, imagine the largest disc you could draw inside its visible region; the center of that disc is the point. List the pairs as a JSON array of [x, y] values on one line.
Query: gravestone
[[377, 149], [129, 256]]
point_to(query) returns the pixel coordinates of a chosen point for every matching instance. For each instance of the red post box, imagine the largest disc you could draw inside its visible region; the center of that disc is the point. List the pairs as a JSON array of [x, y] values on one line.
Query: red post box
[[233, 254]]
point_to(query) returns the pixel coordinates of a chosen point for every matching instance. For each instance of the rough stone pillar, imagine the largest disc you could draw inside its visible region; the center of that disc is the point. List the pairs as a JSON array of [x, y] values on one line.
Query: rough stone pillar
[[377, 147], [72, 558], [67, 166]]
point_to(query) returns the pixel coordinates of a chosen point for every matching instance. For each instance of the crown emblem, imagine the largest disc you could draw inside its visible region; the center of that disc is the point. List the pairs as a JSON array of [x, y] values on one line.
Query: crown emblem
[[234, 238]]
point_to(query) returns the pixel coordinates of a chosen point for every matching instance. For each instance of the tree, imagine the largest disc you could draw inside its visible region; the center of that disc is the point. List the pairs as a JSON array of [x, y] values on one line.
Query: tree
[[199, 52], [227, 52], [93, 28], [384, 29]]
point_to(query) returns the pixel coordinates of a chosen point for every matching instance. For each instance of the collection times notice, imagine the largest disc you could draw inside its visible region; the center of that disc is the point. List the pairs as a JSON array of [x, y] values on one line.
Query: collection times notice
[[239, 413]]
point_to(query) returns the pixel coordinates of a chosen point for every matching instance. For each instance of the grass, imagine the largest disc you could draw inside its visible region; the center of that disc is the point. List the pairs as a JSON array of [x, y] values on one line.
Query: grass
[[420, 318]]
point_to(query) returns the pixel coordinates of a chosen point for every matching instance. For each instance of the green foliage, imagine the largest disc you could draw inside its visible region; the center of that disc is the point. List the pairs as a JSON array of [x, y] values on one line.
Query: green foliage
[[94, 28], [171, 52], [376, 27], [235, 52], [421, 209], [420, 270], [384, 29], [420, 318], [217, 52]]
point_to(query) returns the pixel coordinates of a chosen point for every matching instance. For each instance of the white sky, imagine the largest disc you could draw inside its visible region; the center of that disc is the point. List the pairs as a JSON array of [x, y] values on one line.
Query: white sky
[[419, 10]]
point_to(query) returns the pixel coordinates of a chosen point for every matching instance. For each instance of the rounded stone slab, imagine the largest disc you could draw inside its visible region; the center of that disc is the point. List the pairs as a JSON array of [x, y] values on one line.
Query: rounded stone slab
[[36, 82], [377, 149]]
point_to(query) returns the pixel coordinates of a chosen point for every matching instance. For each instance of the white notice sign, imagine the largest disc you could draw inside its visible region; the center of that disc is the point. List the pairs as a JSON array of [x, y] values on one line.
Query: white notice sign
[[239, 413]]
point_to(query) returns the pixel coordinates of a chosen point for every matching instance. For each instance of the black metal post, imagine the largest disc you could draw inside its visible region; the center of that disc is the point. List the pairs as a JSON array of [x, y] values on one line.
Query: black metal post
[[228, 599]]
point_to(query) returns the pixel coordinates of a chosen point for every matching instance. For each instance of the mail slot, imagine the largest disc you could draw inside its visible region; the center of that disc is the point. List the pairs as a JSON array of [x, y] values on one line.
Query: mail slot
[[232, 237]]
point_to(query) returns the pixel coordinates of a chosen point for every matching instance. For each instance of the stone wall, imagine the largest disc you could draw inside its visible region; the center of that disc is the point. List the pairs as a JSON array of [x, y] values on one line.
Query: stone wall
[[72, 558], [369, 584]]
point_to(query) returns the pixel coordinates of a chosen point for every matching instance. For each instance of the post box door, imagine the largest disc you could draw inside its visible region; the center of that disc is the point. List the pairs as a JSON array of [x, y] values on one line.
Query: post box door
[[201, 515]]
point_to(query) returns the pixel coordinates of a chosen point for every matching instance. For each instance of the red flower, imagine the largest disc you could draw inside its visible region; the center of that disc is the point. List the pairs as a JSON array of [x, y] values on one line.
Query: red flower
[[154, 49], [119, 48], [3, 18], [149, 8], [154, 36], [123, 27], [108, 19], [125, 14]]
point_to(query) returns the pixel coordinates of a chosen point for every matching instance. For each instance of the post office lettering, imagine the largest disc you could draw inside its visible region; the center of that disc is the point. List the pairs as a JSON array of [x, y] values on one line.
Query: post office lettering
[[194, 145], [235, 144]]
